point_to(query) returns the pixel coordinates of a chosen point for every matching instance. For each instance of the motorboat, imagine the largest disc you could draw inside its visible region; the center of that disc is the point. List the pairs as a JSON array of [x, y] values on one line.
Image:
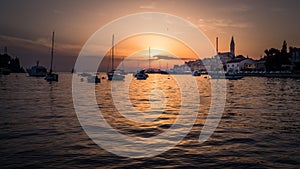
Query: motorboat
[[196, 73], [141, 75], [37, 70]]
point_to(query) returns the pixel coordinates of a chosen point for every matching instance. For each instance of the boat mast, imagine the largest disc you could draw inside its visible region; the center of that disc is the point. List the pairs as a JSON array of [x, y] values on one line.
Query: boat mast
[[112, 53], [52, 52], [149, 58], [123, 64]]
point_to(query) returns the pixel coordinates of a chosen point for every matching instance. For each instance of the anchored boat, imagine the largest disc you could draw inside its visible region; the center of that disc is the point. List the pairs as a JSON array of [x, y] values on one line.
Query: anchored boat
[[50, 76]]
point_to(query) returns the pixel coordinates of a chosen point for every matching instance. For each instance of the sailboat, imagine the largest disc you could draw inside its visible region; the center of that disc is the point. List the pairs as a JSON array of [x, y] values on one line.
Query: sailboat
[[142, 75], [122, 71], [50, 76], [113, 74]]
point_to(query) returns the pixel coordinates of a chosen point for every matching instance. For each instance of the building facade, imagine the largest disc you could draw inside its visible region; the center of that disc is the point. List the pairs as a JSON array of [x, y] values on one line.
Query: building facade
[[295, 58], [233, 66]]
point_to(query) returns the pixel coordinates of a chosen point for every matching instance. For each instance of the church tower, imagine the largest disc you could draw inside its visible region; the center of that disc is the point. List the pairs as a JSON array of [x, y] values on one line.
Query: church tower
[[232, 47]]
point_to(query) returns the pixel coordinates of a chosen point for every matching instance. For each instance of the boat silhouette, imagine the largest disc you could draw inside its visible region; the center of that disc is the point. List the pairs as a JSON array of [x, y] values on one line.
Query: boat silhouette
[[114, 74], [50, 76]]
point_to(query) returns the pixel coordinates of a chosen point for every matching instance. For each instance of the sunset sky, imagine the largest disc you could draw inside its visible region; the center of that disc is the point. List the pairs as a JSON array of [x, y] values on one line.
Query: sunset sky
[[256, 25]]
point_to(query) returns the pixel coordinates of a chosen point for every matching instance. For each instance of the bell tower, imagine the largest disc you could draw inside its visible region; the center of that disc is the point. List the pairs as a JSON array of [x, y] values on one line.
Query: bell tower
[[232, 47]]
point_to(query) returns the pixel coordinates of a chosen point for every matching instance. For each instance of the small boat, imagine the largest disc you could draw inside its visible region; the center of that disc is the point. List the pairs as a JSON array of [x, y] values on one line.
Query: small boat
[[164, 72], [141, 75], [50, 76], [114, 74], [37, 71], [93, 79], [196, 73], [84, 74], [4, 71], [233, 76], [217, 76]]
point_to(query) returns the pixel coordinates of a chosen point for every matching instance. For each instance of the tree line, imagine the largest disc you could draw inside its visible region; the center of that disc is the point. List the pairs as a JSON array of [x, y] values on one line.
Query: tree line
[[279, 60]]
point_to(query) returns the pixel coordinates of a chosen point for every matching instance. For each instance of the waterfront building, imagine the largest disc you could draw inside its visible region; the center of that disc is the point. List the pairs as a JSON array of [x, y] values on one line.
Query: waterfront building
[[196, 65], [244, 64], [248, 64], [181, 69], [295, 57], [261, 65], [233, 66], [227, 56]]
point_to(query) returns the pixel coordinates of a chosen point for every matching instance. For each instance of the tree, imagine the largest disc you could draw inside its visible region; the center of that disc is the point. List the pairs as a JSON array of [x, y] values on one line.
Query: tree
[[277, 60], [284, 54], [284, 48], [273, 62]]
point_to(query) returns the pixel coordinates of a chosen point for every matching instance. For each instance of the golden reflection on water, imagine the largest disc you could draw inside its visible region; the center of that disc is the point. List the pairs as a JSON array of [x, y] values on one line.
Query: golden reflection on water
[[160, 92], [158, 98]]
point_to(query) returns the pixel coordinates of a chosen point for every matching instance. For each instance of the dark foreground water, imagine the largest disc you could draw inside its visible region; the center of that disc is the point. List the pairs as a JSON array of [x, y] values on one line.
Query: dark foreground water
[[260, 127]]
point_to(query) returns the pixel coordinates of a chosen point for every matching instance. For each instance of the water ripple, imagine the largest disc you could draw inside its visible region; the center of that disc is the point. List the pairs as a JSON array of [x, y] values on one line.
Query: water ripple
[[259, 129]]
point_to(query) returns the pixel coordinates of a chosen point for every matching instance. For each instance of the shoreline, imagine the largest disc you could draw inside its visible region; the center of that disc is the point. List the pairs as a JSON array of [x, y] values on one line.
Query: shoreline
[[272, 75]]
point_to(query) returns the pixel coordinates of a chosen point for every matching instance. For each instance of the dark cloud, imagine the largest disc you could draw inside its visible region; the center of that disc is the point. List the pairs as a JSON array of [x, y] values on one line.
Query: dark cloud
[[165, 57]]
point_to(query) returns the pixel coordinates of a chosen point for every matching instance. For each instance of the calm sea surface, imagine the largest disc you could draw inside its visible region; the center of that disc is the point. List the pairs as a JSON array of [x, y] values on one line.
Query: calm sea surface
[[260, 127]]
